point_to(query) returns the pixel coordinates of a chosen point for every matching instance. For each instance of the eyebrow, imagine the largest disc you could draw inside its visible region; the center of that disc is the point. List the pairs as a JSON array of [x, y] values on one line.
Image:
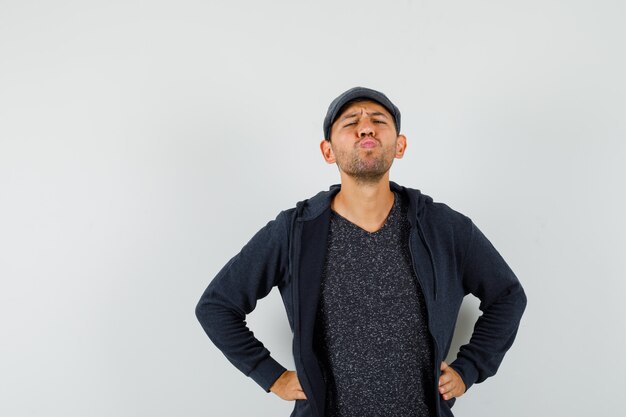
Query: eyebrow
[[374, 113]]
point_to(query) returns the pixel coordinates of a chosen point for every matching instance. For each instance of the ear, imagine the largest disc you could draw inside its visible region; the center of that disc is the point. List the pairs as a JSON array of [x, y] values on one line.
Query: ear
[[327, 151], [400, 146]]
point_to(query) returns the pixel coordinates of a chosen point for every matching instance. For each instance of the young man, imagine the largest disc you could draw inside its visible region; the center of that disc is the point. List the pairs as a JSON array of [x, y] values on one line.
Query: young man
[[372, 275]]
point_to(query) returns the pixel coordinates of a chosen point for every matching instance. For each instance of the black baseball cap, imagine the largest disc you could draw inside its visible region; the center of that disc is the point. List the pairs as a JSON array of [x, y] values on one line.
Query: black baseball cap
[[359, 93]]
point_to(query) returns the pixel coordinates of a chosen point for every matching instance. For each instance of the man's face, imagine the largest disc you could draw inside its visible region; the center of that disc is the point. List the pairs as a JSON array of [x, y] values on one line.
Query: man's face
[[364, 142]]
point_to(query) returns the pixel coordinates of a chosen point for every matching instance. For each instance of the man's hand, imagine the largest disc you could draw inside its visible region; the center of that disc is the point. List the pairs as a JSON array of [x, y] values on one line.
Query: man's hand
[[288, 387], [450, 383]]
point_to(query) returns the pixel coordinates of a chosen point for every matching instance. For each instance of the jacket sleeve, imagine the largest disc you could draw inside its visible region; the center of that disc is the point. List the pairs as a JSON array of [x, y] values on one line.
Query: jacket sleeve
[[247, 277], [502, 302]]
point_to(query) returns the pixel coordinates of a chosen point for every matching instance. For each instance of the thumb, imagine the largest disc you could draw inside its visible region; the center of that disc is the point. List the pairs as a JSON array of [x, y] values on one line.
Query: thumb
[[444, 365]]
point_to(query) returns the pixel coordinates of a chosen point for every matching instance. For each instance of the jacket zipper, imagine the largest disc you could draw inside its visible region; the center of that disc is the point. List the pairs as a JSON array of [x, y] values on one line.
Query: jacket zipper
[[428, 311], [296, 302]]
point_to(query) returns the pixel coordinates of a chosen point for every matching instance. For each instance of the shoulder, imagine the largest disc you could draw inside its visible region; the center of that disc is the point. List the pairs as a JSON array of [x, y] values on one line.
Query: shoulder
[[442, 211], [438, 220], [306, 209], [309, 208], [428, 210]]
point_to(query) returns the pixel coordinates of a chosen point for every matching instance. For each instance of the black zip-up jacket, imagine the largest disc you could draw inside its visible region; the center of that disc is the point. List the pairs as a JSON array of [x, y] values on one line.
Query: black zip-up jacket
[[451, 258]]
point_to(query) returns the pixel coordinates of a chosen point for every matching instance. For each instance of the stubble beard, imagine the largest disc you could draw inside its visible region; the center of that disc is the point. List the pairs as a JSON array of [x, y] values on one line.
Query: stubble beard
[[363, 166]]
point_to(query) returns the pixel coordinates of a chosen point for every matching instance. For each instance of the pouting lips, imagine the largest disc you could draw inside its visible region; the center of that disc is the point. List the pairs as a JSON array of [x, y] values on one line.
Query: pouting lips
[[368, 143]]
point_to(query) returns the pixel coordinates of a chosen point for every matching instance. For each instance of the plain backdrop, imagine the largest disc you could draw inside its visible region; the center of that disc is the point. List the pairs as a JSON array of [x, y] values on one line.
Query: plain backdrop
[[142, 143]]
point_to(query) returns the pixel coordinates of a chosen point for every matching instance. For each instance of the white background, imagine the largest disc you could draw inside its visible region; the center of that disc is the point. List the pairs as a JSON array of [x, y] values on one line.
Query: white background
[[142, 143]]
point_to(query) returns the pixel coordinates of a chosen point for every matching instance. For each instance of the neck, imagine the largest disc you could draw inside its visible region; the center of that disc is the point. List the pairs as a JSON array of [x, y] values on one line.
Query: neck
[[364, 204]]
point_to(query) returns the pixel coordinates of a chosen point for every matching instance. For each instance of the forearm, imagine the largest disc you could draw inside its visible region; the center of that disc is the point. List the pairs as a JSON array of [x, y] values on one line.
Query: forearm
[[230, 334], [494, 333], [233, 293]]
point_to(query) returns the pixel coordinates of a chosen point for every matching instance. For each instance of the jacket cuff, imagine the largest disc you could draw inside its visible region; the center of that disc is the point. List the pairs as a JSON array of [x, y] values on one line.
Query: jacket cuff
[[267, 372], [467, 371]]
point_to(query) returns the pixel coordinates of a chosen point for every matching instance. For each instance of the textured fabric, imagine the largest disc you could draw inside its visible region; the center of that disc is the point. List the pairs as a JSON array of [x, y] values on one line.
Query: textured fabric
[[372, 333]]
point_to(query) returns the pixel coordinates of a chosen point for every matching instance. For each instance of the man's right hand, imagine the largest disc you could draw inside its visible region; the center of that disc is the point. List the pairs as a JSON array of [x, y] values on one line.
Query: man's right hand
[[288, 387]]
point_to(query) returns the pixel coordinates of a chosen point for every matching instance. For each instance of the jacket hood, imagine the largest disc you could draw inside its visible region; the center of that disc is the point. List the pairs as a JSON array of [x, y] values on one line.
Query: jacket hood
[[311, 208]]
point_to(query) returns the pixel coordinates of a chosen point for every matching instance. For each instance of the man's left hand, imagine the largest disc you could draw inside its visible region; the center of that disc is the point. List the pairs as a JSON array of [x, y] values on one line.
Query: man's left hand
[[450, 383]]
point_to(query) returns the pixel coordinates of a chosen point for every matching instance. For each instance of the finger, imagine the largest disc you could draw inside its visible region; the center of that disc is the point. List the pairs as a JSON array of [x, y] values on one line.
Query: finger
[[300, 395], [445, 389], [447, 385], [444, 378], [450, 386], [453, 385], [443, 366], [448, 396], [449, 391], [455, 391]]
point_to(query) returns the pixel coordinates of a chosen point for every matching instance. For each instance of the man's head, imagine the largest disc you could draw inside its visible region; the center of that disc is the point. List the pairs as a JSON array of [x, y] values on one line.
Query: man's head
[[365, 135]]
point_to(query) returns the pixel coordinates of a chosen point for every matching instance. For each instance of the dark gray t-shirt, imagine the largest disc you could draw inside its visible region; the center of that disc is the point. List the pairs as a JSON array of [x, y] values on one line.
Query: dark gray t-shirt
[[371, 331]]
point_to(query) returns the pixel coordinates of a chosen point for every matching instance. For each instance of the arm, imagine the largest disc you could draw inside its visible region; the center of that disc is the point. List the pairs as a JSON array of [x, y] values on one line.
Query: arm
[[502, 301], [247, 277]]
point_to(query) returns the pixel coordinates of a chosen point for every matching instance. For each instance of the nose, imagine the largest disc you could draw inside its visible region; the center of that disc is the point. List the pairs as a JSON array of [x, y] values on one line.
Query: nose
[[366, 128]]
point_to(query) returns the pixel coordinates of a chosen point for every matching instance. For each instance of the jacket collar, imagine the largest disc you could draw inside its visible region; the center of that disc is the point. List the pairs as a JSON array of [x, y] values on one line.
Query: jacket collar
[[315, 206]]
